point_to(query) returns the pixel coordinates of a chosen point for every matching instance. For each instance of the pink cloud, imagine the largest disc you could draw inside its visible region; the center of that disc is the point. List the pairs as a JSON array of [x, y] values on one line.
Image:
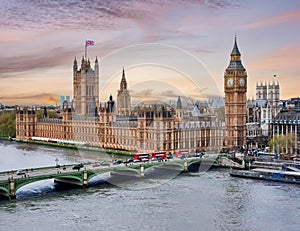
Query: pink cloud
[[287, 17], [282, 59]]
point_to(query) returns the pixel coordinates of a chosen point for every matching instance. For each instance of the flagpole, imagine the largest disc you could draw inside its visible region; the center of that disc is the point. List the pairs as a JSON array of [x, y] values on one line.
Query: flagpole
[[85, 51]]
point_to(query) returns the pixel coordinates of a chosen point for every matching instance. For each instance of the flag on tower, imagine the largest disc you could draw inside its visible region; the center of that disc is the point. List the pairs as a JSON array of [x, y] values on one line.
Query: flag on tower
[[89, 43]]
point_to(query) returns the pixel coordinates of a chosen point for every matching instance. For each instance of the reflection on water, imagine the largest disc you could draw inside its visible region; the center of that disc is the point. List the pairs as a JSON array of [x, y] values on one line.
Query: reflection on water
[[15, 155], [211, 201]]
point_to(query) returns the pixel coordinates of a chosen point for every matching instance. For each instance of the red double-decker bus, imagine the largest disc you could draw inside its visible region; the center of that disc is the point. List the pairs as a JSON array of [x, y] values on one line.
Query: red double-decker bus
[[157, 155], [140, 156], [181, 153]]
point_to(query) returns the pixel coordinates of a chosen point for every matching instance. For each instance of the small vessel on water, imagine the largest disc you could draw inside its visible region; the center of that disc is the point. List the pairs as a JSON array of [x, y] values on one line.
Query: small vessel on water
[[268, 174]]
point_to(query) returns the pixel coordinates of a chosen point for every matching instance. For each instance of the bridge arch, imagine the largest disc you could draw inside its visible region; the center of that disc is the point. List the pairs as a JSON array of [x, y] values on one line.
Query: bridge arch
[[4, 191], [163, 164], [69, 179], [29, 181], [194, 161], [128, 171], [132, 169], [94, 174]]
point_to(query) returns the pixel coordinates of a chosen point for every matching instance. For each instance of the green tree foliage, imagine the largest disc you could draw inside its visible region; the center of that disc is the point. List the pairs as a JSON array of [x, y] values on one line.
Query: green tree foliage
[[220, 112], [283, 144], [7, 124], [50, 114]]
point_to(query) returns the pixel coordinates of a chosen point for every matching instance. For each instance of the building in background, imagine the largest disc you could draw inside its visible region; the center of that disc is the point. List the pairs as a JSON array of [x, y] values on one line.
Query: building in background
[[261, 112], [287, 122], [68, 99], [270, 93], [61, 100]]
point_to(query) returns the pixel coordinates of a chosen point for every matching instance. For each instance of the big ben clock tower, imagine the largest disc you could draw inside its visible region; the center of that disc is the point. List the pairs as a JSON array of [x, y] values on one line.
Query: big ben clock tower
[[235, 87]]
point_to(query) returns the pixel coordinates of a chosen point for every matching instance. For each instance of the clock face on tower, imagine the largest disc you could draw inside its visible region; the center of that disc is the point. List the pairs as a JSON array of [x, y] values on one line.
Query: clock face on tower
[[230, 82], [242, 82]]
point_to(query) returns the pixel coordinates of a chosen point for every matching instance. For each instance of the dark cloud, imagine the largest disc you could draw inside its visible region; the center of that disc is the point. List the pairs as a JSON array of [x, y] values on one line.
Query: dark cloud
[[30, 96], [92, 14], [169, 94], [143, 94], [153, 94], [46, 59]]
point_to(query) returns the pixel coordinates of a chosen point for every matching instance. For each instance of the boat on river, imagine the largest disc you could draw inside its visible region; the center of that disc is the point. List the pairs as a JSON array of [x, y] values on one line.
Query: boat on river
[[268, 174]]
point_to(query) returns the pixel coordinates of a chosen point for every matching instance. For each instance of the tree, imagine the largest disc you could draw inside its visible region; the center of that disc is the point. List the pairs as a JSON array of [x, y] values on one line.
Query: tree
[[220, 112], [8, 124], [50, 114], [283, 144]]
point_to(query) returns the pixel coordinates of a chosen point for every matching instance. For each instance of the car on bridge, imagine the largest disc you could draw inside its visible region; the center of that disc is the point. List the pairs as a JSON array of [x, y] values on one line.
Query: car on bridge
[[96, 165], [169, 156], [118, 161], [78, 166], [159, 159], [105, 163], [21, 172], [198, 154], [128, 161]]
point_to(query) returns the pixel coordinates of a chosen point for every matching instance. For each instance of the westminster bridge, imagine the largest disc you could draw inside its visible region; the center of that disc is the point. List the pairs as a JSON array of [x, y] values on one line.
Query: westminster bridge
[[11, 181]]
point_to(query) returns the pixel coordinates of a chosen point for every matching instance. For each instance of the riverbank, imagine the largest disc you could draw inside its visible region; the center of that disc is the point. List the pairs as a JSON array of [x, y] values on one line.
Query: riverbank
[[6, 138], [82, 148]]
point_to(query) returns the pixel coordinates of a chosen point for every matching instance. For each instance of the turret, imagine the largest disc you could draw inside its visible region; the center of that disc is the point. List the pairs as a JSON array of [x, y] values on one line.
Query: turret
[[75, 65], [235, 51], [82, 60], [45, 114], [179, 103], [123, 98], [96, 67], [75, 68], [235, 58], [110, 105], [96, 89], [123, 83]]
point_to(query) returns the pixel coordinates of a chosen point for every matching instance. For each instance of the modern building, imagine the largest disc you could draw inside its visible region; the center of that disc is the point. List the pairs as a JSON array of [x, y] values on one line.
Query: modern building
[[144, 128], [235, 87]]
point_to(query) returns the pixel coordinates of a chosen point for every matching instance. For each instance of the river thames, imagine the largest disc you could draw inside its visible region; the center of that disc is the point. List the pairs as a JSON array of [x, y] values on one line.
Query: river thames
[[207, 201]]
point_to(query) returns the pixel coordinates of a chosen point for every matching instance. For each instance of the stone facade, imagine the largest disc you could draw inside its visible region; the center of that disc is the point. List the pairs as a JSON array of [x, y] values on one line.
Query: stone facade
[[123, 98], [145, 128], [235, 87], [85, 87], [261, 113], [286, 122], [153, 127]]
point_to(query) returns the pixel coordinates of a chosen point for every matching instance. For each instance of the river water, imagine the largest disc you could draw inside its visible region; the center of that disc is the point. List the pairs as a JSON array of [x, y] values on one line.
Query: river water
[[208, 201]]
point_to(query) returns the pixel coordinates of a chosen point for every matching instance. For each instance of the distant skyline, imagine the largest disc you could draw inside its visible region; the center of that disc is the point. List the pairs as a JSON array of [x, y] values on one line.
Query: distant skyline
[[39, 40]]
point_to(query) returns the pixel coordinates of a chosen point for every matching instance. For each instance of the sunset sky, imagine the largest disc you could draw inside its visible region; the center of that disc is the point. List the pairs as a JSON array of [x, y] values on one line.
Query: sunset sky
[[167, 47]]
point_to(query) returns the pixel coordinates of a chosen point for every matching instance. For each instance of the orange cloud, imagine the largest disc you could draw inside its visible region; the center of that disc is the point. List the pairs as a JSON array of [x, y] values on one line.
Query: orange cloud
[[288, 17], [51, 100], [286, 58], [30, 98]]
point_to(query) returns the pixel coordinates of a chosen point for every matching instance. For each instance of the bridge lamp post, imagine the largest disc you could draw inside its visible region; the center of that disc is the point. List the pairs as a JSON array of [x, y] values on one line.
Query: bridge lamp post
[[56, 160]]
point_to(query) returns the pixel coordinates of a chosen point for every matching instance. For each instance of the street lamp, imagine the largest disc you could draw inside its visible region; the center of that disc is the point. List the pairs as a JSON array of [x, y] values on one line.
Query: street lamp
[[56, 160]]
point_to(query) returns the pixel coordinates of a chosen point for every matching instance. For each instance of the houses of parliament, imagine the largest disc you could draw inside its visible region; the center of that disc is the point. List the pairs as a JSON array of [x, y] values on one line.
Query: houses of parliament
[[142, 128]]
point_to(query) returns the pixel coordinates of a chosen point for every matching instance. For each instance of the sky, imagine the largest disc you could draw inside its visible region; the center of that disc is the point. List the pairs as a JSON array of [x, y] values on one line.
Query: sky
[[167, 47]]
